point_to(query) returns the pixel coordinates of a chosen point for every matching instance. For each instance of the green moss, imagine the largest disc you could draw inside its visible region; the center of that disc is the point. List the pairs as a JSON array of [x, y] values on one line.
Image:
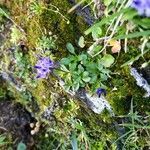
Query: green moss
[[97, 127], [3, 91], [66, 32], [42, 95], [125, 90]]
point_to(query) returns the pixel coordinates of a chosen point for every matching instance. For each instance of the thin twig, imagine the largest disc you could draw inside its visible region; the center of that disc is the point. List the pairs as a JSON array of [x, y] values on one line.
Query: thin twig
[[126, 41], [143, 45]]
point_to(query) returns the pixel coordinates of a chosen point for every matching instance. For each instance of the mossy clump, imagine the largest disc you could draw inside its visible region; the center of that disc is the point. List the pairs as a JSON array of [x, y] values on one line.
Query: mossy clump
[[66, 31], [124, 89], [3, 91]]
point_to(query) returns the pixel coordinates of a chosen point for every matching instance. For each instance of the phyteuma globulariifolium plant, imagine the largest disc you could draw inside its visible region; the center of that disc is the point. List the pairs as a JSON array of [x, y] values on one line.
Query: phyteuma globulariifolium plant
[[81, 70]]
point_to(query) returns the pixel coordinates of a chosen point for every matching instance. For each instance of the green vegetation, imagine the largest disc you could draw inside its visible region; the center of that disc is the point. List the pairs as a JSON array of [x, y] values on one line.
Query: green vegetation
[[85, 58], [82, 70]]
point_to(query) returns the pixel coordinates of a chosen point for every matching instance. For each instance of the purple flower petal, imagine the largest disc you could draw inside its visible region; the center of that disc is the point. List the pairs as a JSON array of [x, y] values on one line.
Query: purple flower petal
[[44, 66], [101, 91], [142, 6], [38, 76], [37, 67], [44, 70]]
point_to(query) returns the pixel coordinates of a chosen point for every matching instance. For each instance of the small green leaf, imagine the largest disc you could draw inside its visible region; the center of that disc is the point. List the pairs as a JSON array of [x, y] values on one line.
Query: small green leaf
[[86, 79], [74, 142], [82, 57], [70, 48], [2, 138], [100, 66], [80, 68], [77, 79], [82, 84], [107, 60], [130, 14], [75, 87], [105, 71], [91, 67], [21, 146], [103, 77], [65, 61], [63, 67], [81, 42], [94, 49], [93, 79], [72, 66], [96, 33], [85, 74], [145, 22]]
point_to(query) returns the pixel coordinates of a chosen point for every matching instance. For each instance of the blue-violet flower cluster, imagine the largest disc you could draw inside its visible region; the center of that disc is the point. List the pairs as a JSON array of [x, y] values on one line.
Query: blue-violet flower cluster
[[44, 66], [101, 91], [142, 6]]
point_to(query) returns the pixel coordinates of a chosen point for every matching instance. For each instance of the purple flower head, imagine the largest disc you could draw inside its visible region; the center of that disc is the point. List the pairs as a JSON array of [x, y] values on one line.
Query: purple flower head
[[44, 66], [101, 91], [142, 6]]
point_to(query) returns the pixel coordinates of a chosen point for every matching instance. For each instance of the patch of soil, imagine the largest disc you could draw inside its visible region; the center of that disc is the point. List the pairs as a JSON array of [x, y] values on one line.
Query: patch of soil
[[16, 120]]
